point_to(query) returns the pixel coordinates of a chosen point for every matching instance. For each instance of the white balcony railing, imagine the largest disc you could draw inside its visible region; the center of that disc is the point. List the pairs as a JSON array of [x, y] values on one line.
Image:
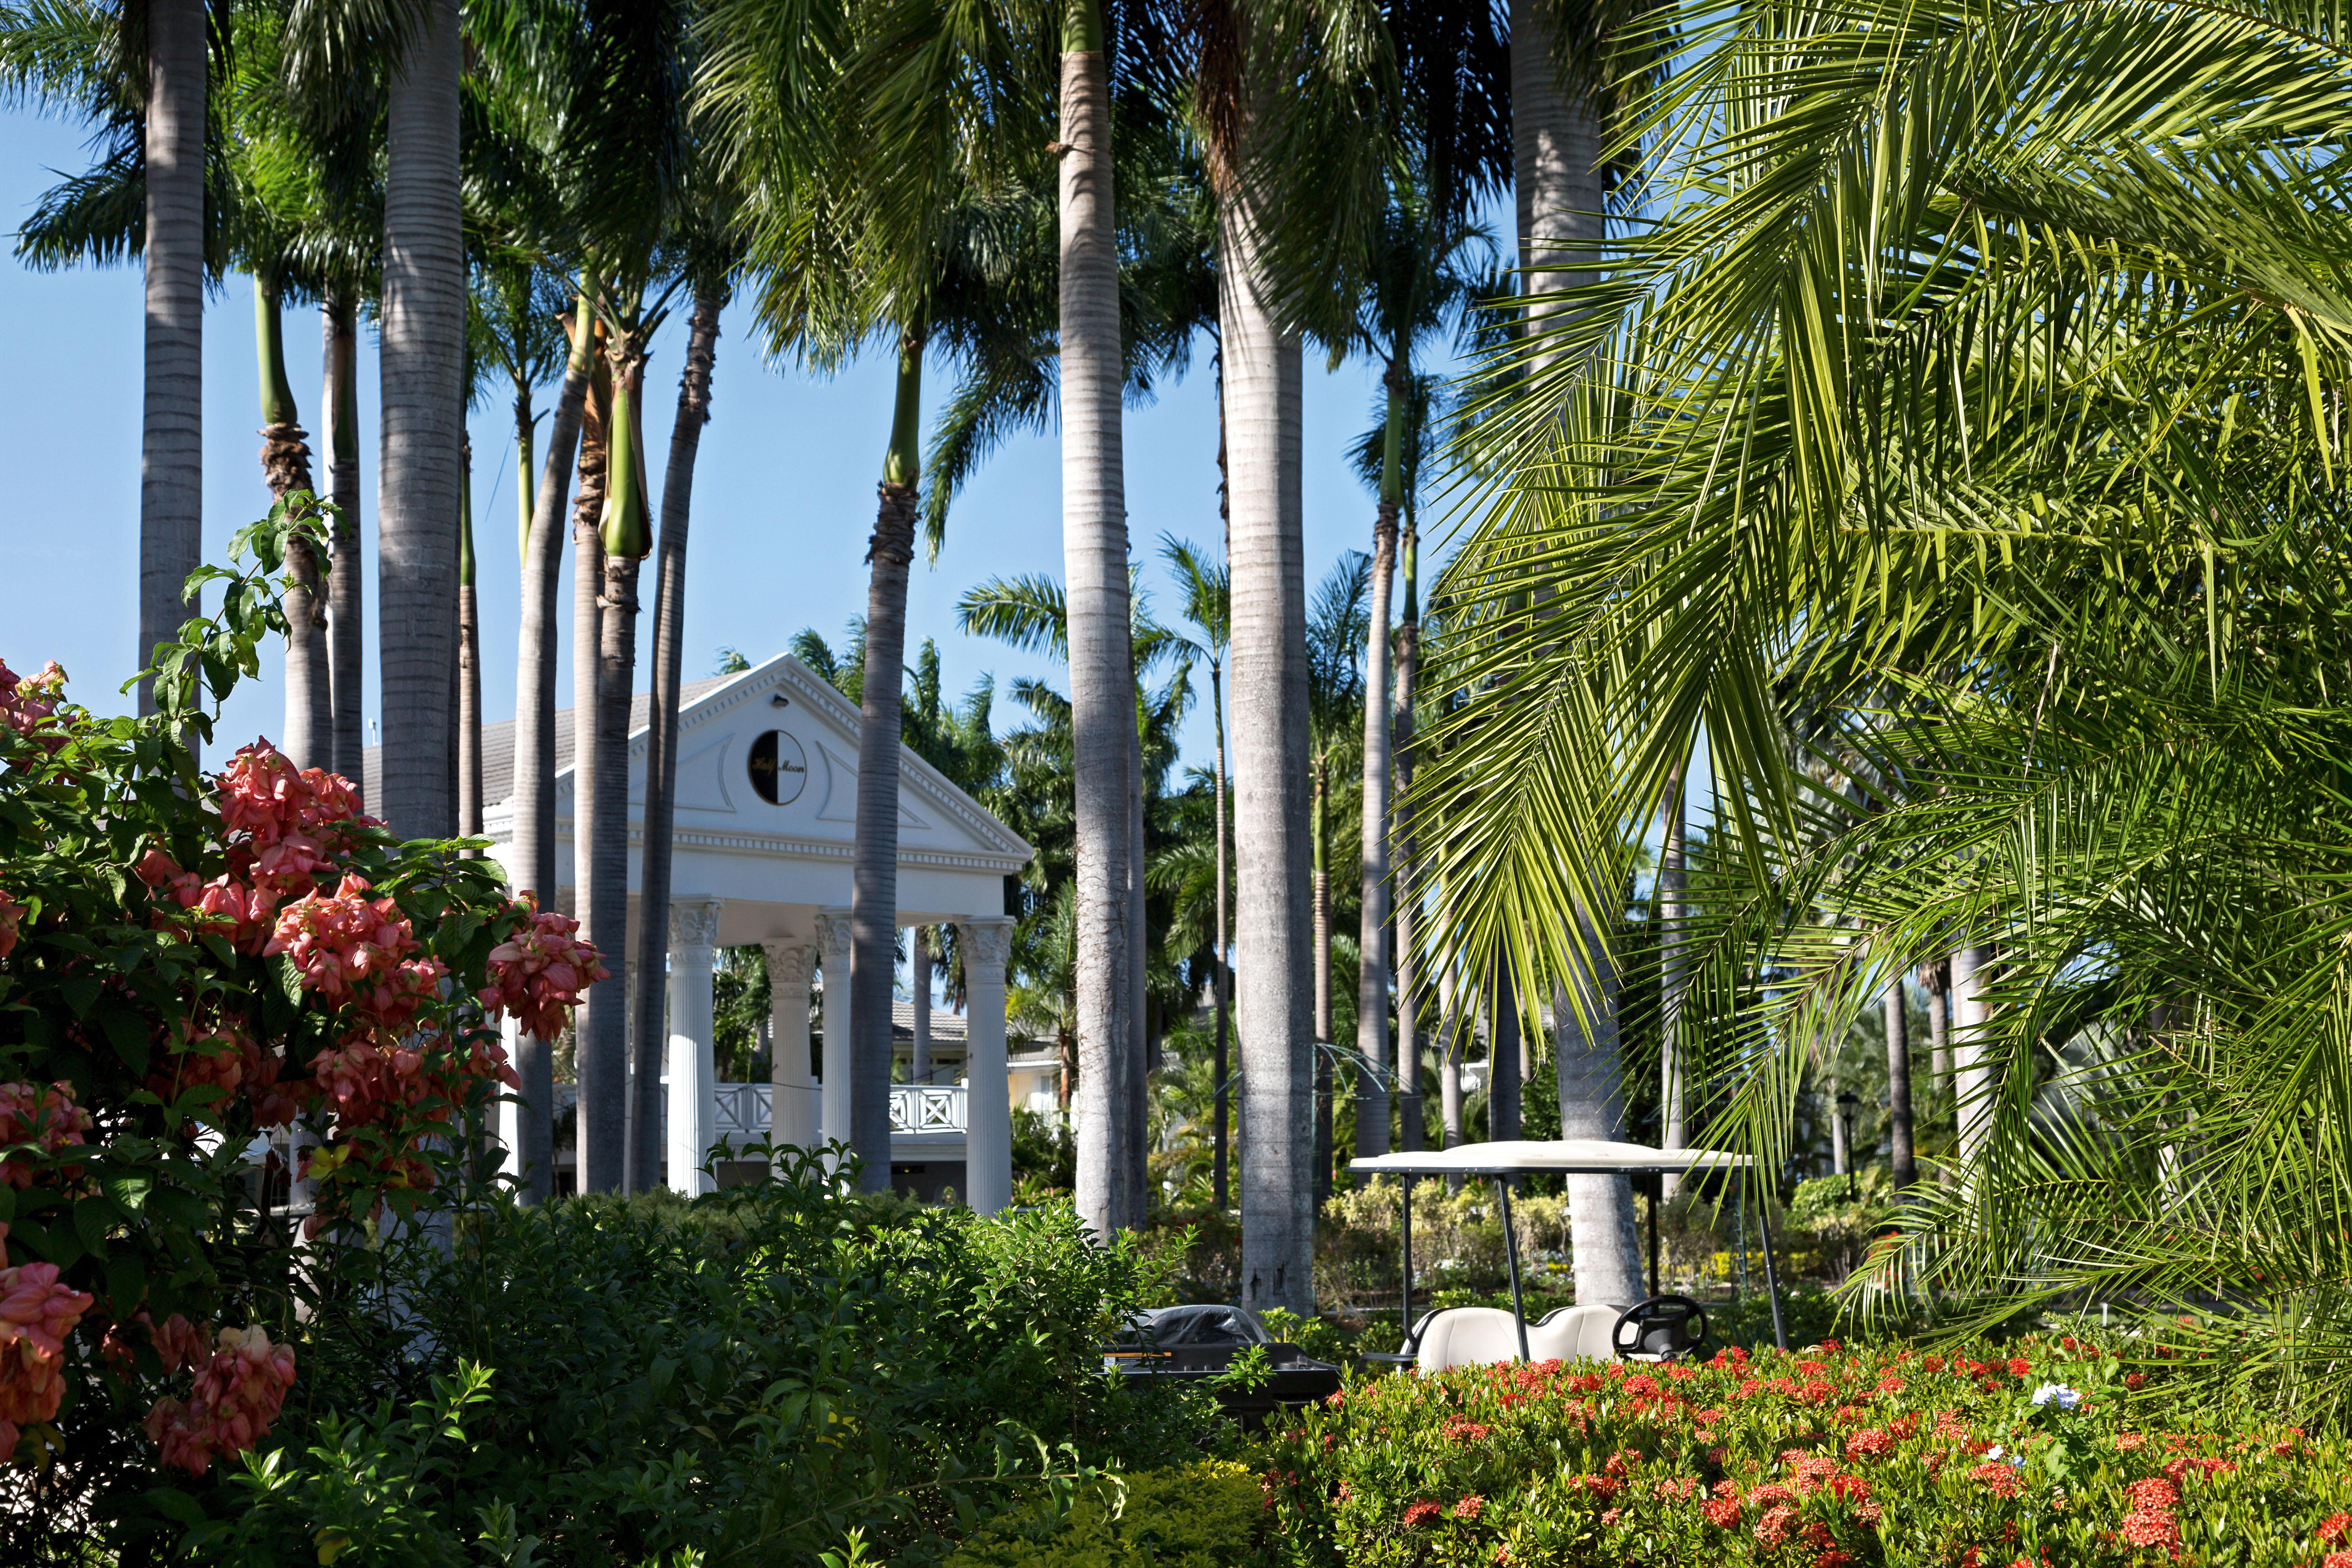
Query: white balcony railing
[[917, 1109], [920, 1110]]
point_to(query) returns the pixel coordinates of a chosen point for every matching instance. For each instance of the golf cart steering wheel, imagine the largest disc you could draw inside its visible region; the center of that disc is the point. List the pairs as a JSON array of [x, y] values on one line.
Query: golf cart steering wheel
[[1664, 1328]]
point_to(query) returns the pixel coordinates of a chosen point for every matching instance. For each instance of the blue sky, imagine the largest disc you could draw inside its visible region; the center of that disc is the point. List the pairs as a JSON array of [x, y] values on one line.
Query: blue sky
[[783, 495]]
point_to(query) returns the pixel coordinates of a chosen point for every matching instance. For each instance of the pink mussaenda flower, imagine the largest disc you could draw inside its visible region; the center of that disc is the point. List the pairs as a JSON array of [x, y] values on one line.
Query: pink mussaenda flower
[[240, 1388], [46, 1118], [346, 942], [536, 974], [37, 1313]]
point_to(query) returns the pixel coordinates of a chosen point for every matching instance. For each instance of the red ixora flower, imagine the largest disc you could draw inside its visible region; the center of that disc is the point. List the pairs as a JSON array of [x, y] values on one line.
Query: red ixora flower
[[2332, 1528], [1777, 1526], [2338, 1560], [1469, 1507], [1721, 1513], [1870, 1445], [1999, 1479], [1421, 1513], [2150, 1528]]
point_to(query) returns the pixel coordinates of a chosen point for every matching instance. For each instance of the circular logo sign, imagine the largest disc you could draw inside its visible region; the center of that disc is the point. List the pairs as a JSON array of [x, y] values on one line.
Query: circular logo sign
[[779, 768]]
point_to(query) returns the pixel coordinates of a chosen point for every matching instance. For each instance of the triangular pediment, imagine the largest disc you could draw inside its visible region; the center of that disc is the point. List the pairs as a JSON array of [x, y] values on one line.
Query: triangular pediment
[[772, 754]]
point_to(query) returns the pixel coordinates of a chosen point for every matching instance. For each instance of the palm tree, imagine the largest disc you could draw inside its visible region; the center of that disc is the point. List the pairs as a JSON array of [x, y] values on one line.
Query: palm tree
[[1285, 105], [171, 447], [422, 436], [1336, 634], [469, 658], [1164, 296], [1208, 605], [2073, 638], [879, 218], [346, 593], [711, 271], [1094, 555], [148, 195]]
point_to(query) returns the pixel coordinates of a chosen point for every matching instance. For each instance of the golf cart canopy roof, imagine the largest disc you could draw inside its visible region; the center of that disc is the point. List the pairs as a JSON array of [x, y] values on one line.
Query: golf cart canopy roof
[[1572, 1156]]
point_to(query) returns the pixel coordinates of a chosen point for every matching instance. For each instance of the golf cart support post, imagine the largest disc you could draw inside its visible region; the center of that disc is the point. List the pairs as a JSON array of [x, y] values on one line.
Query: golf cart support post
[[1507, 1158]]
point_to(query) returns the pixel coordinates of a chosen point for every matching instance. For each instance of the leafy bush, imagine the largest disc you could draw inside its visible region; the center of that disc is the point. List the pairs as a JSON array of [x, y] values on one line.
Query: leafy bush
[[2045, 1453], [753, 1376], [189, 960], [1202, 1515]]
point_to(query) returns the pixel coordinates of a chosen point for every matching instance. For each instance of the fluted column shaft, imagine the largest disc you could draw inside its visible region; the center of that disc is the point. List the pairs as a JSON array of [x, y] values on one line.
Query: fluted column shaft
[[693, 1119], [793, 1108], [988, 1102]]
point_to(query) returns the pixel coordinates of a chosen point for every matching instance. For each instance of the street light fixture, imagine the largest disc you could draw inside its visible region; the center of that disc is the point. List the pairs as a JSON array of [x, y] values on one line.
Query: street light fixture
[[1846, 1102]]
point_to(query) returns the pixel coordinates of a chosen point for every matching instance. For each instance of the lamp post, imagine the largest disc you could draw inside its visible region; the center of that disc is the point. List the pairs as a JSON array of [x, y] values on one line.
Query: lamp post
[[1846, 1101]]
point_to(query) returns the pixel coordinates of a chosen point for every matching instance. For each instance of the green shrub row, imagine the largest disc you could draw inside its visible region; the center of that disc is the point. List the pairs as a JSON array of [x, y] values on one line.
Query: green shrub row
[[2048, 1453]]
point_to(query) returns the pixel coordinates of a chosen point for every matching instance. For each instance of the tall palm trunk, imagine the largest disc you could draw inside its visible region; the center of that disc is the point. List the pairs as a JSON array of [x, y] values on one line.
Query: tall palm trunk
[[469, 661], [1412, 1129], [286, 467], [532, 862], [624, 538], [422, 404], [1603, 1242], [1556, 150], [602, 1119], [346, 604], [1936, 981], [1901, 1155], [172, 429], [661, 753], [1273, 1000], [1221, 1065], [1505, 1077], [1673, 979], [873, 878], [1971, 1080], [1102, 681], [1319, 826], [1373, 971], [1142, 1053], [1449, 1051]]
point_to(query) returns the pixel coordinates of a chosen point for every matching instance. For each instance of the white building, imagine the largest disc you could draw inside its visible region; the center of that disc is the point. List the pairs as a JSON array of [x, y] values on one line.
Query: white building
[[767, 794]]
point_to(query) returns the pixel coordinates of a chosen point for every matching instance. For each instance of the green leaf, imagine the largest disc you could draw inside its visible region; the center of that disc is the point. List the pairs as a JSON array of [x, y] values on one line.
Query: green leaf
[[93, 1218], [126, 1283], [127, 1032]]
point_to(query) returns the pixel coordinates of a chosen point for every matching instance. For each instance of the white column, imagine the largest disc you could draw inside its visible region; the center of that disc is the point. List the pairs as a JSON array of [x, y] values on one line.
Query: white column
[[693, 1110], [988, 1092], [832, 951], [792, 1109], [510, 1110]]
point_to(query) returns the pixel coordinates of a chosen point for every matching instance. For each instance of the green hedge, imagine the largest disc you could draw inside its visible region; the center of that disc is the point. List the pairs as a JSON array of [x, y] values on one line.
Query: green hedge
[[751, 1377], [2047, 1453], [1202, 1515]]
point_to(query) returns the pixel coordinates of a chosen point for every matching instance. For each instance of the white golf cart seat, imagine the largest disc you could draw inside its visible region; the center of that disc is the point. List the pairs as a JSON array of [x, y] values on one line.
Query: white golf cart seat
[[1468, 1336], [1575, 1333]]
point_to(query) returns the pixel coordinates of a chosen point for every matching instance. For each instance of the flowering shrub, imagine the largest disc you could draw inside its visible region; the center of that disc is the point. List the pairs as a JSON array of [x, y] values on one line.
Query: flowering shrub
[[1828, 1458], [186, 961]]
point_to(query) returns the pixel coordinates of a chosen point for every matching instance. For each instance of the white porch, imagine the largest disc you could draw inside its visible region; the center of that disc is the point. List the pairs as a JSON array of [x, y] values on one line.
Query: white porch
[[761, 854]]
